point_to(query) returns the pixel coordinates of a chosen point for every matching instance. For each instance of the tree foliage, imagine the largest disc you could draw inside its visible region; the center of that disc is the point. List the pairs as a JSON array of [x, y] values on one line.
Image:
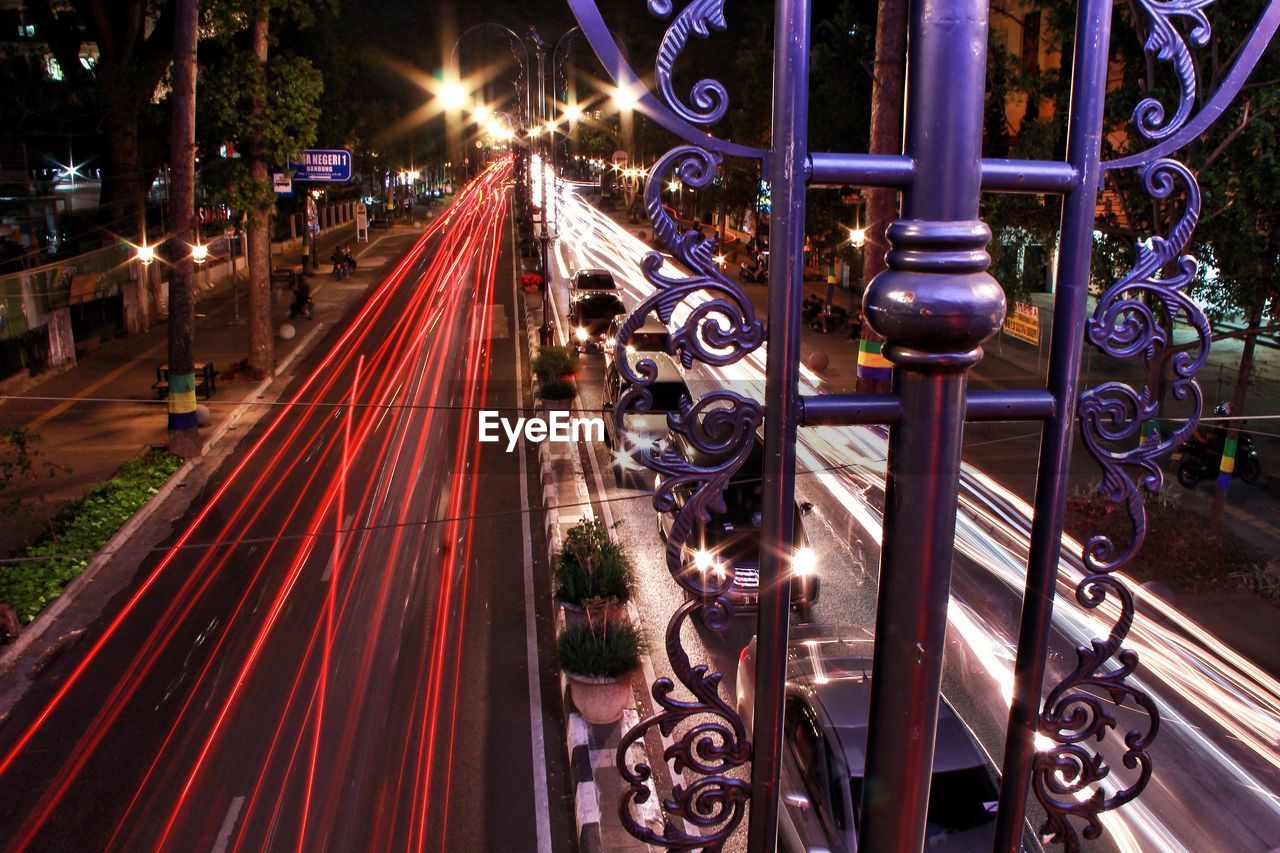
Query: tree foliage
[[228, 87]]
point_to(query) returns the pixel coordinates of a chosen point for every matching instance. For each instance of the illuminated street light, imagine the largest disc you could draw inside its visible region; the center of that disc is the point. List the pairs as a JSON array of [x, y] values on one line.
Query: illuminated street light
[[482, 114], [572, 113], [453, 96], [857, 236], [199, 253], [625, 99], [146, 254], [673, 186]]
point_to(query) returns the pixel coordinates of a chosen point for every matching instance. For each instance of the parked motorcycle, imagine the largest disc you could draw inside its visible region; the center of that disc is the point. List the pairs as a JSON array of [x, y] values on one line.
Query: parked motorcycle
[[1199, 460]]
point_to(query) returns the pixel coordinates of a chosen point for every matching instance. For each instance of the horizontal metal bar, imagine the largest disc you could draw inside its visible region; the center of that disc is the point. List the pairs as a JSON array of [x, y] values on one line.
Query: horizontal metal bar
[[1026, 405], [845, 409], [863, 170], [1028, 176], [897, 170], [849, 409]]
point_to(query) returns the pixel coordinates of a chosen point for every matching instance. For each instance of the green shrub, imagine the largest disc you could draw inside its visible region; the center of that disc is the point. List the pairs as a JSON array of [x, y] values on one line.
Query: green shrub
[[556, 362], [606, 649], [80, 530], [591, 568], [556, 389]]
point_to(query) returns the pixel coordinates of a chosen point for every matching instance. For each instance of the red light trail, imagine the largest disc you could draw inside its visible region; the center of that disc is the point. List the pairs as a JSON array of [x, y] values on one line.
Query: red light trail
[[421, 339]]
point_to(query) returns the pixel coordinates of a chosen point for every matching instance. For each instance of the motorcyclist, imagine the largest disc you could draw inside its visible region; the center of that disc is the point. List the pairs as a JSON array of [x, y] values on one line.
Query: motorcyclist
[[1213, 435]]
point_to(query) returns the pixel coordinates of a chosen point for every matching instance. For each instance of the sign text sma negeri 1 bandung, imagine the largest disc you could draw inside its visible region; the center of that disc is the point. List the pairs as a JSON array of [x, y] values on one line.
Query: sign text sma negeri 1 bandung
[[323, 164]]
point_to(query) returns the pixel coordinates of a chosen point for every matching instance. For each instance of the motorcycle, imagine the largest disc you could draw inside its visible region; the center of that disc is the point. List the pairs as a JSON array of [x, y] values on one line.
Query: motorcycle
[[1198, 460], [343, 268], [757, 273]]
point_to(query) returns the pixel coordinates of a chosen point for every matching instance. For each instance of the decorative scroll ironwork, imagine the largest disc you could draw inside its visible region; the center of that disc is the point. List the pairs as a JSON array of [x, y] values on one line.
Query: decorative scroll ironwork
[[1074, 712], [1123, 325], [711, 748], [709, 97], [719, 329], [1167, 44]]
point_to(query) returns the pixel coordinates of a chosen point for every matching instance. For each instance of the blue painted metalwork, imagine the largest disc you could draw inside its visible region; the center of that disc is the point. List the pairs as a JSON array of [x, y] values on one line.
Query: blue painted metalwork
[[935, 305]]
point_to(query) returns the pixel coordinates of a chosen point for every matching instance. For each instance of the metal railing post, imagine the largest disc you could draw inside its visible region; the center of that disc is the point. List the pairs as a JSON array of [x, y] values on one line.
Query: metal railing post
[[935, 305], [1088, 94], [782, 371]]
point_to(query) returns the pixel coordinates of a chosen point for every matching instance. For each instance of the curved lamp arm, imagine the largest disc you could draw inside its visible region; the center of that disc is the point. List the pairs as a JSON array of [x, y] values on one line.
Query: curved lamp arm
[[610, 56]]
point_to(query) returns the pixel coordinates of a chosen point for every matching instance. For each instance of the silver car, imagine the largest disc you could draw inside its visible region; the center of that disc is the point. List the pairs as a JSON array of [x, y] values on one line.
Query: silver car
[[641, 429], [825, 717], [652, 336]]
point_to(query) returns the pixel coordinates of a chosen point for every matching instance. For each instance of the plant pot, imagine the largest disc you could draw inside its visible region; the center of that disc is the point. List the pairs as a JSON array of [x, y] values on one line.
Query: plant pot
[[576, 614], [600, 699]]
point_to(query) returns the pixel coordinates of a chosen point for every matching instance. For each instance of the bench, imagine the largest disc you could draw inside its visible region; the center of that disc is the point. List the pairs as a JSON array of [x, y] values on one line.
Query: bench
[[206, 381], [284, 277]]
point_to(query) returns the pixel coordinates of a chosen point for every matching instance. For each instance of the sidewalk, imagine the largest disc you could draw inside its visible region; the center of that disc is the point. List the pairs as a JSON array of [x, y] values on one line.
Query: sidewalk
[[99, 414]]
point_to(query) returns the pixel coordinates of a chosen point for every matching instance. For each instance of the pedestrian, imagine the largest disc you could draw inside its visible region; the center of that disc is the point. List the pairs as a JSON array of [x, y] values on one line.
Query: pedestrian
[[855, 323]]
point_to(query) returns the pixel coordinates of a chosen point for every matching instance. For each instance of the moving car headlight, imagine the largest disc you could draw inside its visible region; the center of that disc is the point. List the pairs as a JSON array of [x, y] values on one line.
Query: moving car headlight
[[610, 342], [805, 562], [581, 333], [703, 559]]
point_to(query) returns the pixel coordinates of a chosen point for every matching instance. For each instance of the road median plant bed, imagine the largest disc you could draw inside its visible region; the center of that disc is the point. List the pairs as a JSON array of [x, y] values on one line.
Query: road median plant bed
[[80, 530], [1182, 548]]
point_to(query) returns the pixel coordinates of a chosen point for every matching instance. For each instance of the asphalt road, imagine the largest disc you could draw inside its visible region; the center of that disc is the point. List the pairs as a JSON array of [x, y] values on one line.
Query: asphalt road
[[1217, 746], [333, 653]]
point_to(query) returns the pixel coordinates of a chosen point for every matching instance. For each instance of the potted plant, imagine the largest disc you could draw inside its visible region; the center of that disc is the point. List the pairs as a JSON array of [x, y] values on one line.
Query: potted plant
[[531, 282], [593, 575], [555, 368], [599, 660]]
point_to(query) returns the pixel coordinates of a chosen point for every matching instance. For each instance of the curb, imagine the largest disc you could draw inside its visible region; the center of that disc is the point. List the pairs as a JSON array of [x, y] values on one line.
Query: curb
[[46, 618]]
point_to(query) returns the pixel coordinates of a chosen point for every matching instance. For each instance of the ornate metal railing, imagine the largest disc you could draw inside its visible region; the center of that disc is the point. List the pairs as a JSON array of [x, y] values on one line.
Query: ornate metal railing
[[935, 305]]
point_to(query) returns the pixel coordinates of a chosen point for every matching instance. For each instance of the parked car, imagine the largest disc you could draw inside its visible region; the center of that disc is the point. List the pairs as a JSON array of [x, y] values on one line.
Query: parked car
[[652, 336], [642, 429], [592, 279], [729, 542], [589, 317], [825, 719]]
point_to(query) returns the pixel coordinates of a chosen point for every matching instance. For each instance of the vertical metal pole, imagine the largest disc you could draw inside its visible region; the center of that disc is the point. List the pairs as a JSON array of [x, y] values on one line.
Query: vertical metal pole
[[787, 157], [1088, 94], [935, 304], [545, 332]]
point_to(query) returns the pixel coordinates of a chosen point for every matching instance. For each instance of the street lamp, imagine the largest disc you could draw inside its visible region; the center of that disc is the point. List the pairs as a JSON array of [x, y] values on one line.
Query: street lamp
[[146, 254], [199, 253], [453, 96]]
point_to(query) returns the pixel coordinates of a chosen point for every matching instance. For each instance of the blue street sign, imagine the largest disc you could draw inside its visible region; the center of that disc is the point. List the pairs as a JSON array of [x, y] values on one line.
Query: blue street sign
[[323, 164]]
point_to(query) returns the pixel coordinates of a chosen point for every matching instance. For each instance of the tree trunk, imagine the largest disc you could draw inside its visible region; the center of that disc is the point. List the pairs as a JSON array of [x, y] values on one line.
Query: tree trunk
[[184, 439], [1237, 412], [261, 337], [874, 372], [123, 197]]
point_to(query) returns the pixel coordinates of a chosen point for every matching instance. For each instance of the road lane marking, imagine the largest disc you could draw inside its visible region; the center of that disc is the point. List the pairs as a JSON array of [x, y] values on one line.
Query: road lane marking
[[88, 391], [333, 555], [541, 798], [500, 327], [228, 824]]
